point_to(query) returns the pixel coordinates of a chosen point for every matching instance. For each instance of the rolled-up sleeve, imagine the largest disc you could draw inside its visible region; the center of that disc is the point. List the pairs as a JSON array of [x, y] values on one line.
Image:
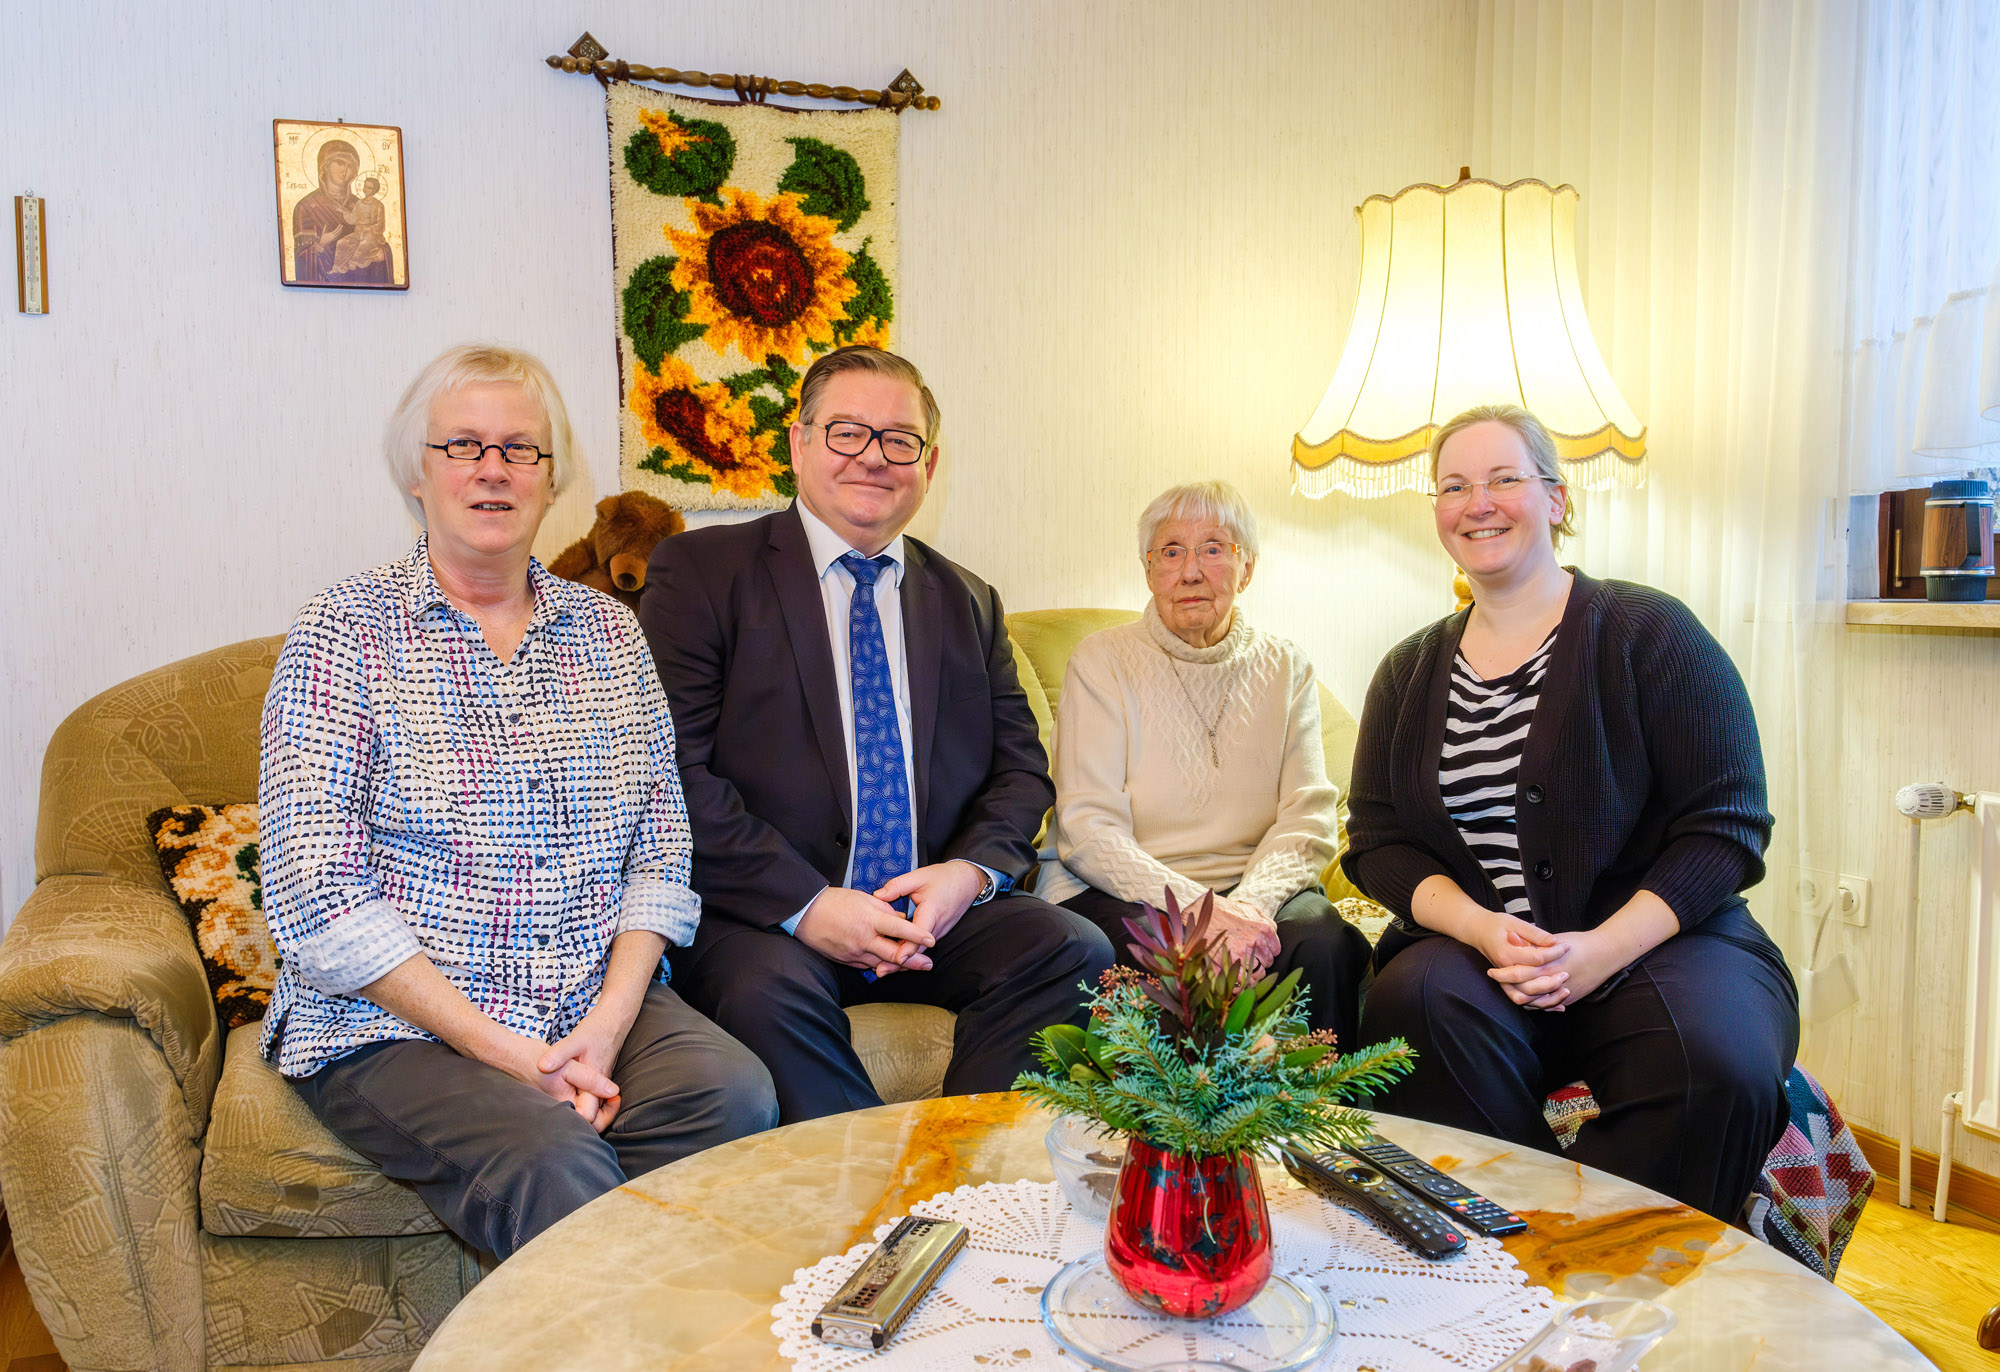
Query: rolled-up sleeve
[[327, 914], [656, 897]]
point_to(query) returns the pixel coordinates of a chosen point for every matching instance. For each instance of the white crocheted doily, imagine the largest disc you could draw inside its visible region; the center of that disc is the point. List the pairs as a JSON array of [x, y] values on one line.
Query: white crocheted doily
[[1397, 1312]]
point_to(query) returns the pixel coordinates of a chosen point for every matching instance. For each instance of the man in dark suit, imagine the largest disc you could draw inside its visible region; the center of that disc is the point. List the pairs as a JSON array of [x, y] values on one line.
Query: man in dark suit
[[862, 770]]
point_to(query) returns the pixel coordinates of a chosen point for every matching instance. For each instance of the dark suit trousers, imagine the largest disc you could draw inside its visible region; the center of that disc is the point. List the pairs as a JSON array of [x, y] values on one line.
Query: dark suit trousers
[[1330, 954], [1687, 1057], [499, 1161], [1006, 969]]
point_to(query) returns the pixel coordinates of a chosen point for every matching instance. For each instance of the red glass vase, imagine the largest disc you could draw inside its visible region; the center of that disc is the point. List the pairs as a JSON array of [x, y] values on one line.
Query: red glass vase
[[1189, 1236]]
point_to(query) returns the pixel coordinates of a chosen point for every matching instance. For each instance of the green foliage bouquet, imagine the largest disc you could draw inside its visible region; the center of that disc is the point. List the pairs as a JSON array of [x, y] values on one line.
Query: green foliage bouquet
[[1195, 1054]]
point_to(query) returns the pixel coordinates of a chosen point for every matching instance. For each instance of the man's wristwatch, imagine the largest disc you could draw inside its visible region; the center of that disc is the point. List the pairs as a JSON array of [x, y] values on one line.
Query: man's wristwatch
[[989, 888]]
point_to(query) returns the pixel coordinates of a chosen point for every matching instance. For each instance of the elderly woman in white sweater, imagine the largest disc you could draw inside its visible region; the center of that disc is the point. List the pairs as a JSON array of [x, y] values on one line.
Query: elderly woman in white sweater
[[1188, 756]]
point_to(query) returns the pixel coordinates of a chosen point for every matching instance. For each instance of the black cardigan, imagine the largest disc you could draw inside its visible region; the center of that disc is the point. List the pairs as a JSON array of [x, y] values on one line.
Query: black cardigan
[[1641, 770]]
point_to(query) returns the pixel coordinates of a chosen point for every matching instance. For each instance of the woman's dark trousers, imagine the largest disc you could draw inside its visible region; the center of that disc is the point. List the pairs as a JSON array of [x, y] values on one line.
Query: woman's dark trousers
[[1687, 1057]]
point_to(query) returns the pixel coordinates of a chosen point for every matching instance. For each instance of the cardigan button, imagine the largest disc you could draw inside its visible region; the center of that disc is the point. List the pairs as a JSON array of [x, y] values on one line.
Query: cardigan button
[[1534, 795], [1545, 869]]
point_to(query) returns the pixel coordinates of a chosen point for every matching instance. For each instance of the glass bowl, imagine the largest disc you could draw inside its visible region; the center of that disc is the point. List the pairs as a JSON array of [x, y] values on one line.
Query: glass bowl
[[1286, 1327], [1086, 1163], [1608, 1334]]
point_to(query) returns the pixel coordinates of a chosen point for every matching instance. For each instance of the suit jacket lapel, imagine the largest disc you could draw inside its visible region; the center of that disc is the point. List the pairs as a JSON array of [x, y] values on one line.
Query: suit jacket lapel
[[923, 640], [789, 560]]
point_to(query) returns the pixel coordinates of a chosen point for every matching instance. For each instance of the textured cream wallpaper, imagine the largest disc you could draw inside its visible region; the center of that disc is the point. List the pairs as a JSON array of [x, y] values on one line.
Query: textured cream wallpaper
[[1128, 251], [1917, 708]]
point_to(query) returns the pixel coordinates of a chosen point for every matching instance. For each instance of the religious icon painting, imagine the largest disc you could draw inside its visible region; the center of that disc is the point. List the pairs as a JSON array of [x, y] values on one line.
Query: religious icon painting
[[340, 205]]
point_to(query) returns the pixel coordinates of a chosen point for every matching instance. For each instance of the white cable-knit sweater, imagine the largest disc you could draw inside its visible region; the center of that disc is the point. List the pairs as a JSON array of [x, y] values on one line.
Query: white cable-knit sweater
[[1140, 806]]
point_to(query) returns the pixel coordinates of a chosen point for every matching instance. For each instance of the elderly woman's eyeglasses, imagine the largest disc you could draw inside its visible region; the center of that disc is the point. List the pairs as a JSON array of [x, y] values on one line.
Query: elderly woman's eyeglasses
[[1173, 557], [471, 450], [849, 439], [1453, 493]]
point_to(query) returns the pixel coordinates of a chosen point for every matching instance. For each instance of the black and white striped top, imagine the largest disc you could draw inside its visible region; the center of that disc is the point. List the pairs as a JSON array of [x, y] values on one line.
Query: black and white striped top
[[1485, 726]]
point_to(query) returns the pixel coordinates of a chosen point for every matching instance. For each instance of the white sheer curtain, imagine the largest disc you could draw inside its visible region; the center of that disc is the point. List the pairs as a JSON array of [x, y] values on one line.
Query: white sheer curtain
[[1926, 394], [1712, 142]]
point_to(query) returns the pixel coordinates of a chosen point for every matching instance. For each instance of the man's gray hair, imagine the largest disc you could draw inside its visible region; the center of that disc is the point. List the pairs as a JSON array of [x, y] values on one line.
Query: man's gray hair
[[858, 357], [471, 364], [1207, 502]]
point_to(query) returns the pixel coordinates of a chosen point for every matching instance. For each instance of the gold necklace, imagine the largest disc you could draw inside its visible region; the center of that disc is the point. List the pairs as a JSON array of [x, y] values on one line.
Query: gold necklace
[[1210, 728]]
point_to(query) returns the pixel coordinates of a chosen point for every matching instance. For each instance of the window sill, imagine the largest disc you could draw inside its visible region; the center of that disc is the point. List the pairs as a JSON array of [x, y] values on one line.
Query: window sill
[[1926, 614]]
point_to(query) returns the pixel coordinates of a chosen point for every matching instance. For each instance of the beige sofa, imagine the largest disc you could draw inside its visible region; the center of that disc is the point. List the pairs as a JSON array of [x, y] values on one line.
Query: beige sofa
[[173, 1203]]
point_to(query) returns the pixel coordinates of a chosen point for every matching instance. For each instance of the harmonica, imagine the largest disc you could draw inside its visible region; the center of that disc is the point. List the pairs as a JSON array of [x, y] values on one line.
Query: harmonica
[[867, 1312]]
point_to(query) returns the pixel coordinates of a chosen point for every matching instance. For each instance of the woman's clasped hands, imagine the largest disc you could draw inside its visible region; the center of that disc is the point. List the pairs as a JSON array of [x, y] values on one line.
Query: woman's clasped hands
[[576, 1067], [1543, 971]]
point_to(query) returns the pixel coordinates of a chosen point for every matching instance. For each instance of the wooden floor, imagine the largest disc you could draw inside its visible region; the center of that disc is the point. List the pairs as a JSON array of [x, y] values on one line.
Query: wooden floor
[[1931, 1282]]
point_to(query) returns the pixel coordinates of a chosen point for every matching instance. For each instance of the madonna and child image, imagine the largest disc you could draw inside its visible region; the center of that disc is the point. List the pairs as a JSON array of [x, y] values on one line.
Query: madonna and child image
[[340, 205]]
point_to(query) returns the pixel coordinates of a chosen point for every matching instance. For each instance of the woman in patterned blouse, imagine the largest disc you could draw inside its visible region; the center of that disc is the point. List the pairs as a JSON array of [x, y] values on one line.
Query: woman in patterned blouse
[[1559, 795], [475, 851], [1188, 757]]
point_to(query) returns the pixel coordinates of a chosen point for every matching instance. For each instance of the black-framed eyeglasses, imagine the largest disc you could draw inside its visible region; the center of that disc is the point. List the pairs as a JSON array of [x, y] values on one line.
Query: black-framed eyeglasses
[[850, 439], [1173, 556], [1452, 493], [472, 450]]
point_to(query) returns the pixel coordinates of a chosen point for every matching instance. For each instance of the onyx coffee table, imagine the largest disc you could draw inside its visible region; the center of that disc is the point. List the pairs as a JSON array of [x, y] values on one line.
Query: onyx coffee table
[[680, 1268]]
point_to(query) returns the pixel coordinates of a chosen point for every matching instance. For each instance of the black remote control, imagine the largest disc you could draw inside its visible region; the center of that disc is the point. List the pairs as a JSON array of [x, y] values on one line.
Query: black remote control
[[1445, 1192], [1344, 1177]]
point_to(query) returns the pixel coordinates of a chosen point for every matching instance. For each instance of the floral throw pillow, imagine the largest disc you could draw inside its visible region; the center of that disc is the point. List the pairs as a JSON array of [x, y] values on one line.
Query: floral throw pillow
[[208, 854]]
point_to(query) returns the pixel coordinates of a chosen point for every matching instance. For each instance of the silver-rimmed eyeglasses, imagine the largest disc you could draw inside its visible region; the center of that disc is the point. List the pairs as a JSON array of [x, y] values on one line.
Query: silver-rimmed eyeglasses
[[850, 439], [1173, 557], [472, 450], [1453, 493]]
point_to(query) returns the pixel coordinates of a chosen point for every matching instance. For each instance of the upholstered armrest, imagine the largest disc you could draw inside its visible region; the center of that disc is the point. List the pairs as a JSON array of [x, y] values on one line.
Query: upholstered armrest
[[105, 946]]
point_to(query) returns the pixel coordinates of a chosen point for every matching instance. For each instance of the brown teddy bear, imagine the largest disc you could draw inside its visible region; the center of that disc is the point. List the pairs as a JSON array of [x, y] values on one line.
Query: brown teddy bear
[[612, 556]]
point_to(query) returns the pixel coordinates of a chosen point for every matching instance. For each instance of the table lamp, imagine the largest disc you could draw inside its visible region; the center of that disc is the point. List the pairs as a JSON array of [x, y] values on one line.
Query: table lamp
[[1468, 296]]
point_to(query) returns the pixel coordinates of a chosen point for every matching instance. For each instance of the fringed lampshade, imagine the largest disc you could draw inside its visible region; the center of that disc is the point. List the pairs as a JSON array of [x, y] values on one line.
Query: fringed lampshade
[[1468, 296]]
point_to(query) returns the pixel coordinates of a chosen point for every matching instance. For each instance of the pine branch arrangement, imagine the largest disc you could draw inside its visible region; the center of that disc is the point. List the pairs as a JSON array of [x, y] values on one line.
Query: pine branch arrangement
[[1199, 1057]]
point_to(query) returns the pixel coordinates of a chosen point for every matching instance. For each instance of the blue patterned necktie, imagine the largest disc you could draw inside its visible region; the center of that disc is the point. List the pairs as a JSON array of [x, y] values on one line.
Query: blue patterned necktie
[[881, 784]]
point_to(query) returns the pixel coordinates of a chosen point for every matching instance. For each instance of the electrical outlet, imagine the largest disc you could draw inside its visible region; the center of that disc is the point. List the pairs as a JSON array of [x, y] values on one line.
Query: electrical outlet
[[1819, 894], [1851, 900], [1813, 893]]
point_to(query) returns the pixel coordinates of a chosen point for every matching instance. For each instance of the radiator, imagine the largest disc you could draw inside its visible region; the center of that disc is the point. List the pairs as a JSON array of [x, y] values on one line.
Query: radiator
[[1979, 1104]]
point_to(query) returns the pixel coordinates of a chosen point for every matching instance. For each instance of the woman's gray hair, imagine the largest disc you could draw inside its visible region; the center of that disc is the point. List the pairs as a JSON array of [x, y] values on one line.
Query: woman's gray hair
[[1209, 502], [471, 364], [1535, 438]]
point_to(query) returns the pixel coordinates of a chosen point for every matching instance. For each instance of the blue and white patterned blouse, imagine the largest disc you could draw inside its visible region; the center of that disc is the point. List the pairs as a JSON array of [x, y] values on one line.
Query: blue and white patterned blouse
[[418, 795]]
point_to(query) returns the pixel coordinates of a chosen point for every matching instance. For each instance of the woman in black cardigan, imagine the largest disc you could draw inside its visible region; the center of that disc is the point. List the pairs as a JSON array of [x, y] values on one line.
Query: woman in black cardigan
[[1559, 794]]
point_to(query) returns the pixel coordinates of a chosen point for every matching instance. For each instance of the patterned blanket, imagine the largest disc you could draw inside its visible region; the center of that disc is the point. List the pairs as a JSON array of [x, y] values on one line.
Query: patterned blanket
[[1814, 1185]]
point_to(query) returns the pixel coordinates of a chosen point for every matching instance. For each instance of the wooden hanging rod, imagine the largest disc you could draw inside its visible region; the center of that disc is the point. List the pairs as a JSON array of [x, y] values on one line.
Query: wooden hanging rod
[[588, 58]]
